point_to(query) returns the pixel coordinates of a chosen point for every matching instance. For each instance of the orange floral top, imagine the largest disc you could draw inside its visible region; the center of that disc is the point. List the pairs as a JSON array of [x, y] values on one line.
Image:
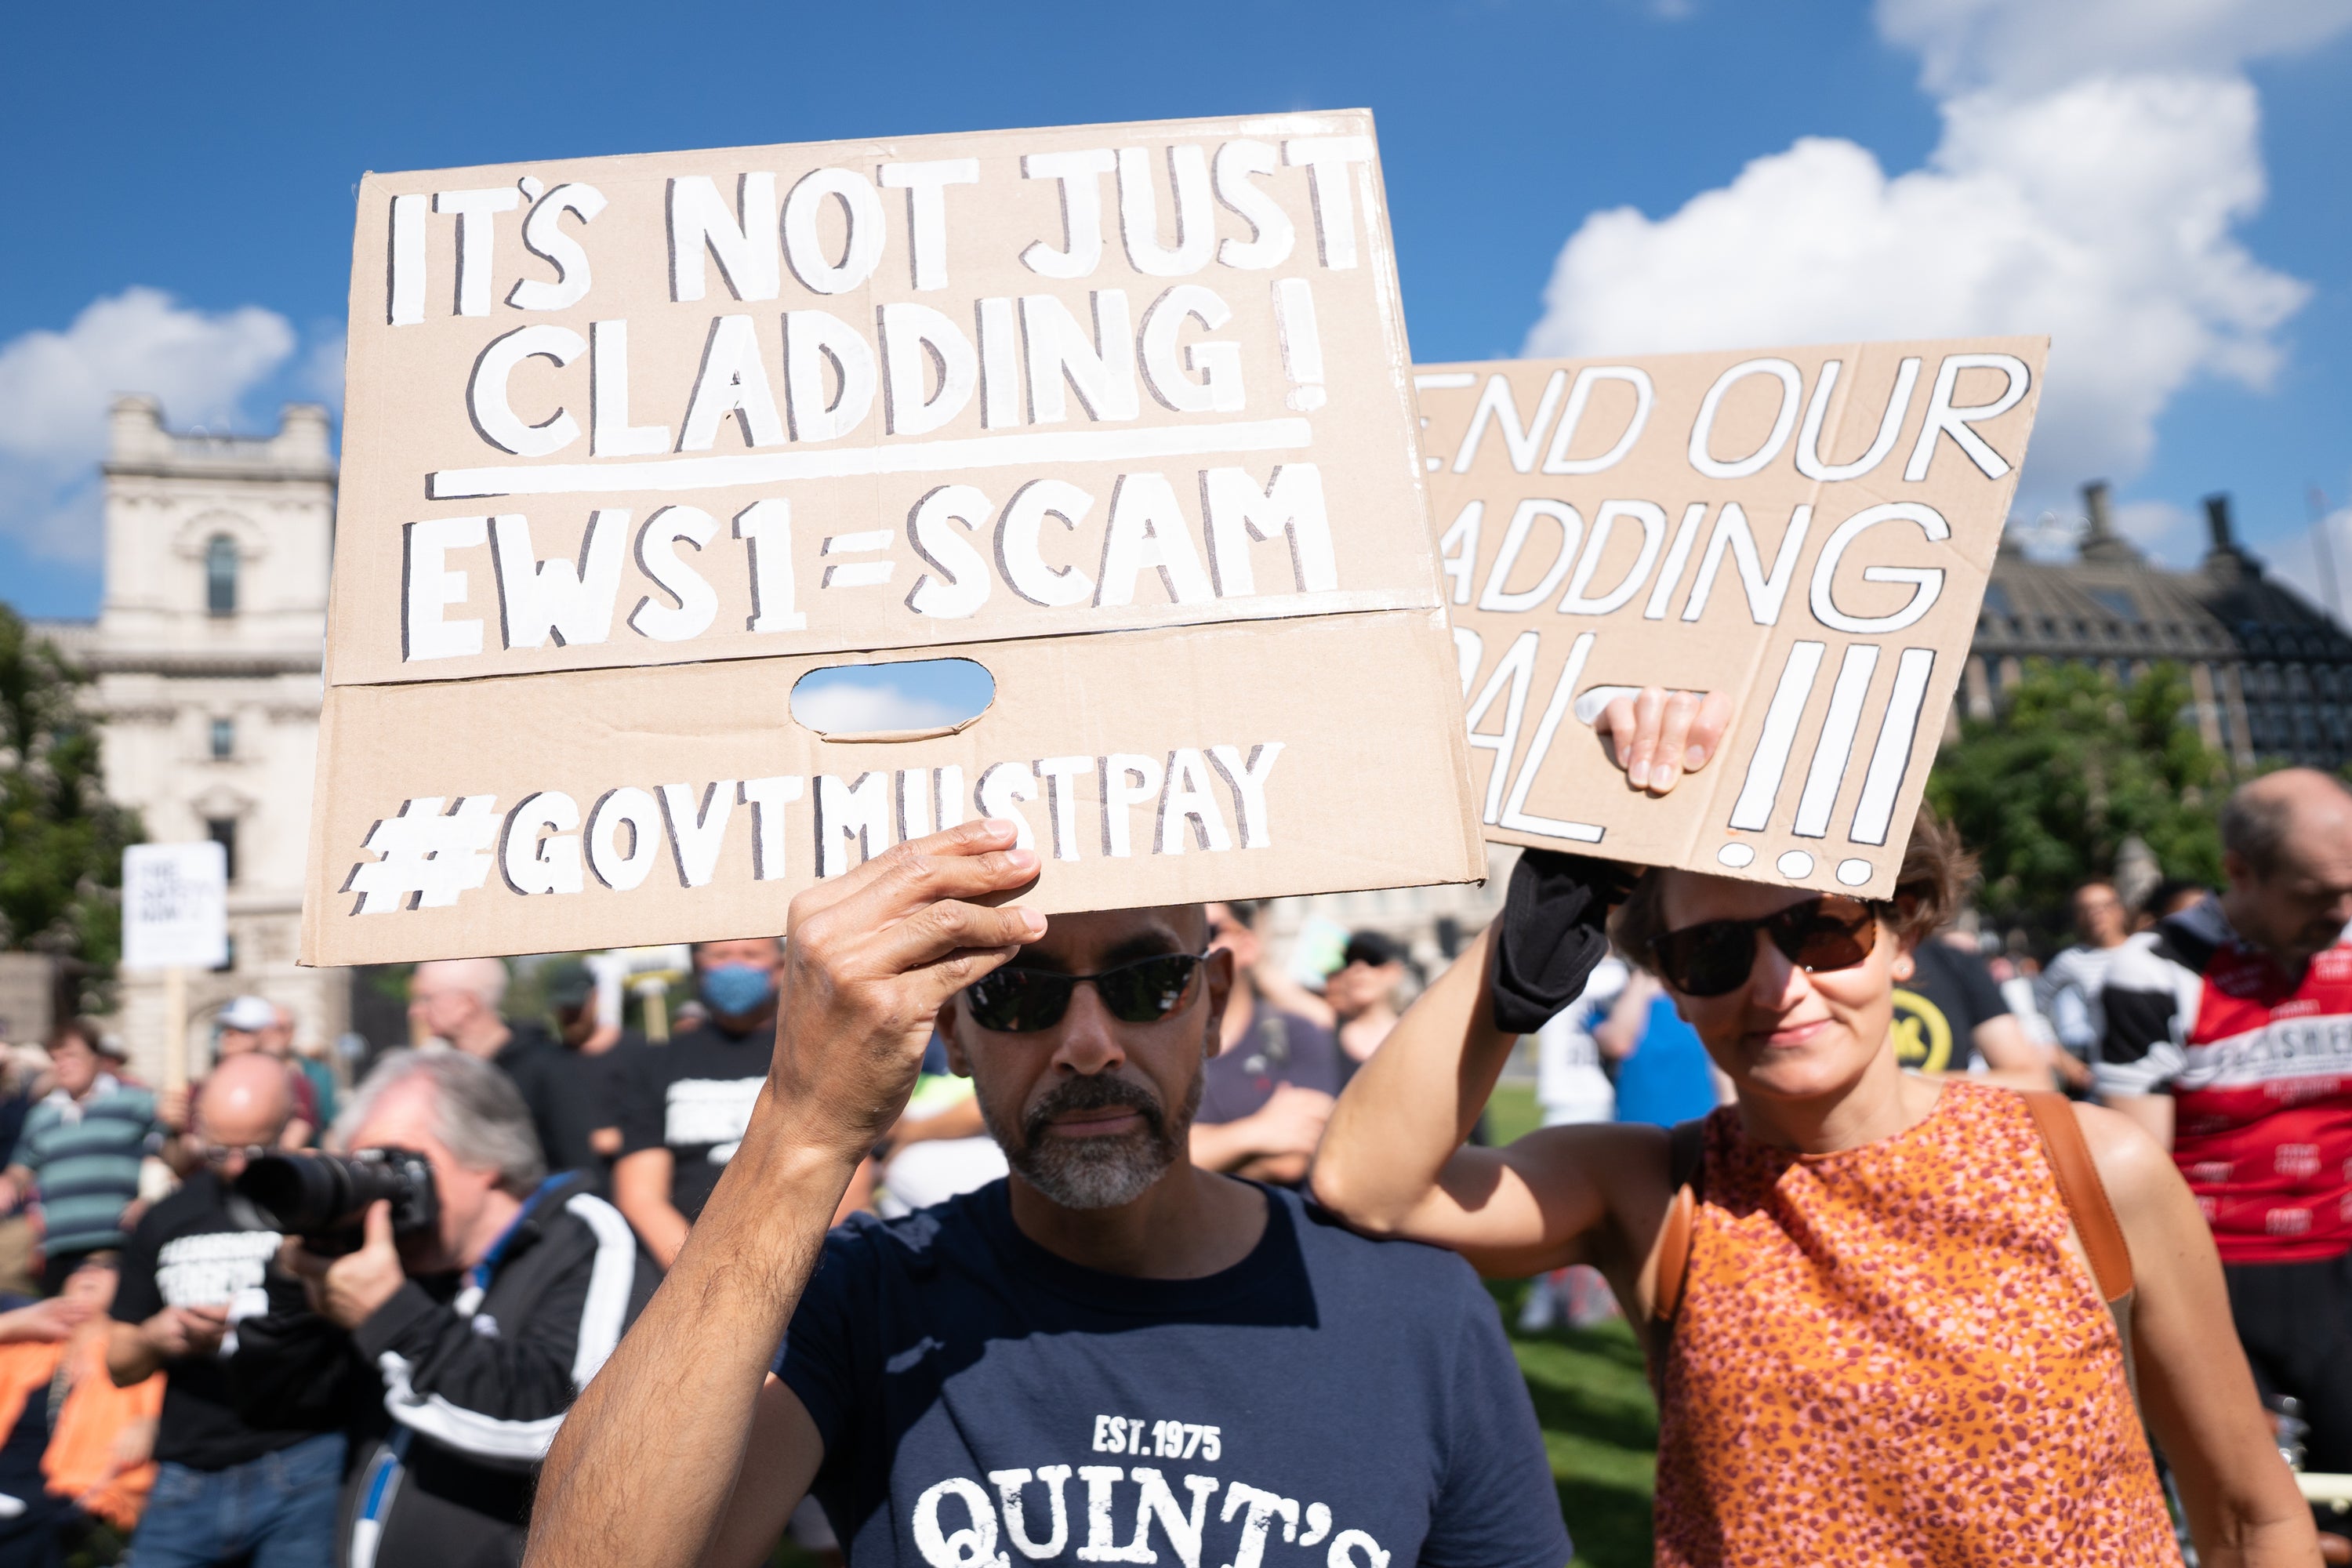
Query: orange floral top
[[1889, 1356]]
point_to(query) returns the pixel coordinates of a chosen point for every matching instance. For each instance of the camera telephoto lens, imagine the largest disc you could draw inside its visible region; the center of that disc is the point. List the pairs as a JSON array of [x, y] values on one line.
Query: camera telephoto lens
[[299, 1194], [321, 1197]]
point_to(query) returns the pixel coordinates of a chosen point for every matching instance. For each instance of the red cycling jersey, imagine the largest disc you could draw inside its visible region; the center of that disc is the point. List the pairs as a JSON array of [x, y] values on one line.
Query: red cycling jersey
[[2259, 1065]]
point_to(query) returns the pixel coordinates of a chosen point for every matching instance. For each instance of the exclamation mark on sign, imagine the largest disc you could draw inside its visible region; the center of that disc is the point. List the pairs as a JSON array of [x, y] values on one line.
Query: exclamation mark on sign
[[1753, 809], [1835, 748], [1873, 815], [1302, 345]]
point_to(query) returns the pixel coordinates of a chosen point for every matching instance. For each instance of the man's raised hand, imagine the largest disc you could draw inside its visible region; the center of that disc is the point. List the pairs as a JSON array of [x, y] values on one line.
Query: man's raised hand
[[869, 958]]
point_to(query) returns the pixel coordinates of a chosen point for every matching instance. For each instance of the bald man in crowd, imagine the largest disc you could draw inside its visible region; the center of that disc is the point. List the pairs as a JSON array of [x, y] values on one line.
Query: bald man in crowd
[[227, 1488], [457, 1000], [255, 1025], [2228, 1035]]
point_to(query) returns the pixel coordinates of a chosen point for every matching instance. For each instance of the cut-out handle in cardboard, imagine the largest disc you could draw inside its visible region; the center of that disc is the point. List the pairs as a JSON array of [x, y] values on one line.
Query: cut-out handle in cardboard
[[908, 699]]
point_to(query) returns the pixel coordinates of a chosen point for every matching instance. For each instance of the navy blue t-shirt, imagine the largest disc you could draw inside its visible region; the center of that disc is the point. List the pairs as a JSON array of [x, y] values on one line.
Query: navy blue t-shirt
[[1328, 1401]]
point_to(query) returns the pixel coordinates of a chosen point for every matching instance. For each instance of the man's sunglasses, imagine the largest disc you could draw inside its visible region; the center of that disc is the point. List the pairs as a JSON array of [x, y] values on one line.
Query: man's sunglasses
[[1831, 931], [1019, 1001]]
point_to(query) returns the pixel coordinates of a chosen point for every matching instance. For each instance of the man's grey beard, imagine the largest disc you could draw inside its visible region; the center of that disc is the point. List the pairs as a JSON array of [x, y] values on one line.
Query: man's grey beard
[[1100, 1172]]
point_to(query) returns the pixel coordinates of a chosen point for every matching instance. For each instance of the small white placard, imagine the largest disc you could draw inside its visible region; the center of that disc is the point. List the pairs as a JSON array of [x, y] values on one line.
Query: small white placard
[[174, 906]]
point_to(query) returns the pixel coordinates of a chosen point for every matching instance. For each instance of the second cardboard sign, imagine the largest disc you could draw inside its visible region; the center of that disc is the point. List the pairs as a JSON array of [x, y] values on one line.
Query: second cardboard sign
[[1808, 530]]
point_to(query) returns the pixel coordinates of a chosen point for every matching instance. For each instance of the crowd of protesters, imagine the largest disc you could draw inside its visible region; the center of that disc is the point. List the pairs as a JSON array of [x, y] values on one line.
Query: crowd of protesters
[[176, 1374]]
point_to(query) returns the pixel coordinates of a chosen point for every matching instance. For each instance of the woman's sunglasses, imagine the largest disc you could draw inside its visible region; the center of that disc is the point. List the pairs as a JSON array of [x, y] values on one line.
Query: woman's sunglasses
[[1018, 1001], [1831, 931]]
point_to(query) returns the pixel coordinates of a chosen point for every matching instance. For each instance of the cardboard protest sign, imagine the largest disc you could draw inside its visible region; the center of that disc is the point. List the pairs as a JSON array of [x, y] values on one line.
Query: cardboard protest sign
[[1809, 531], [1124, 413]]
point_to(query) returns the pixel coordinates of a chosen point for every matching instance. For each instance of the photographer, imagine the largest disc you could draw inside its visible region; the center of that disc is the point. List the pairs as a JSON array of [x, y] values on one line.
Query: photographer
[[481, 1297]]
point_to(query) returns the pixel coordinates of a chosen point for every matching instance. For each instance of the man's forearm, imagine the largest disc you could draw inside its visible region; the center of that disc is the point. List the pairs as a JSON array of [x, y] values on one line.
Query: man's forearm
[[627, 1485]]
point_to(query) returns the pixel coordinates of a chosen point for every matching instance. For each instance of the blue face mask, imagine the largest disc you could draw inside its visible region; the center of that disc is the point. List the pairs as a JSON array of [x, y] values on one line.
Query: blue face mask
[[737, 990]]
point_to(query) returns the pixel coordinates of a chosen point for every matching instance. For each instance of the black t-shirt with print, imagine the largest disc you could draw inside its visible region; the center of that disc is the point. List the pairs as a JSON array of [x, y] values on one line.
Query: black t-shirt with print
[[1327, 1401], [190, 1251], [693, 1096], [1937, 1011]]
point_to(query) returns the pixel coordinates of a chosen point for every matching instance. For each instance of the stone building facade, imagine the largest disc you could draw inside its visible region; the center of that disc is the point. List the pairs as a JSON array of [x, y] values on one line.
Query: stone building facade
[[207, 657], [2272, 672]]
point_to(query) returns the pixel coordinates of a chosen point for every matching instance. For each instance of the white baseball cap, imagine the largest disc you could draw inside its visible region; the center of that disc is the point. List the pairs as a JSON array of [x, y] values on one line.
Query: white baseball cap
[[249, 1014]]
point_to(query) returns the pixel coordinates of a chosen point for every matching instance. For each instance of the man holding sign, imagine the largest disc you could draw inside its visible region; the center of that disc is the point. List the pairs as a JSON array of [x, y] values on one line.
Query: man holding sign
[[1112, 1341]]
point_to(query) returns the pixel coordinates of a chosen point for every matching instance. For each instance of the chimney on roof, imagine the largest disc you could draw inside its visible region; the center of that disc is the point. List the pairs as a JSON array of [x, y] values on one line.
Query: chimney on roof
[[2226, 560], [2100, 539], [2217, 519]]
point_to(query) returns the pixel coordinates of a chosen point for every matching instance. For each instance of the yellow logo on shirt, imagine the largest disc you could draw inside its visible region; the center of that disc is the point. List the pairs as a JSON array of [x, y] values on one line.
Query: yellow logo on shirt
[[1923, 1035]]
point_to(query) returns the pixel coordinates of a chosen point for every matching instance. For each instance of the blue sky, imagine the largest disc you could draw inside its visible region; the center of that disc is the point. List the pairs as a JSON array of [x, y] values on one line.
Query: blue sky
[[2157, 183]]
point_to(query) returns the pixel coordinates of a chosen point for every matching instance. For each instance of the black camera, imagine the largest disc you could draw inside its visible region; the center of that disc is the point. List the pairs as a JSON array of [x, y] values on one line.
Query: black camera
[[324, 1198]]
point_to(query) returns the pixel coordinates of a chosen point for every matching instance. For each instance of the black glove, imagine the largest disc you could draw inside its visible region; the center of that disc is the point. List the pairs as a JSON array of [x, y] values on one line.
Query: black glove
[[1552, 932]]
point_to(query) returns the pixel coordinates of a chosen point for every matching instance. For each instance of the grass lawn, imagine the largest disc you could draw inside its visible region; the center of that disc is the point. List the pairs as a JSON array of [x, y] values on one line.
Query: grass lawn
[[1511, 1113]]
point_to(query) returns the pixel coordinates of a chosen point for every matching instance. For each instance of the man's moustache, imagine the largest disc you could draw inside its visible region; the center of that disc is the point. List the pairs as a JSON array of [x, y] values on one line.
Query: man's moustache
[[1100, 1092]]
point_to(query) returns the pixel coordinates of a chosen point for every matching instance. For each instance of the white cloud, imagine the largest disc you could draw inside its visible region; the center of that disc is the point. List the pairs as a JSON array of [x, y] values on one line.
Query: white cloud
[[2095, 159], [2026, 45], [55, 387], [851, 707]]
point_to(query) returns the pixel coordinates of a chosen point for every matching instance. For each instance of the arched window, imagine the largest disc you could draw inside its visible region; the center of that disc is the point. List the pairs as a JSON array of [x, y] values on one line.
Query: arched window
[[220, 575]]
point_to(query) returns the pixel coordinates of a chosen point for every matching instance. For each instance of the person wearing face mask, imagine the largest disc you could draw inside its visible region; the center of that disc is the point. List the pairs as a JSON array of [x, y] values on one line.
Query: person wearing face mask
[[684, 1105]]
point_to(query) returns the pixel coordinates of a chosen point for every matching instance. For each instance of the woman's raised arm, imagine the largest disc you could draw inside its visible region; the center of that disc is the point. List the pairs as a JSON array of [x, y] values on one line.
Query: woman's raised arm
[[1392, 1162]]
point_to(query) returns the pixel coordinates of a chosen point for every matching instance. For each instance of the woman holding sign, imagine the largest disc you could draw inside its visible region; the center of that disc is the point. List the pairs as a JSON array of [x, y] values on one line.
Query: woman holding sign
[[1890, 1318]]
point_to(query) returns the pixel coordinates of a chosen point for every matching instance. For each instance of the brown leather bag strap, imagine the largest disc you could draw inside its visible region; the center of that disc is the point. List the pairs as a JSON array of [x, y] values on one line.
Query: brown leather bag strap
[[1673, 1257], [1686, 1176], [2086, 1194]]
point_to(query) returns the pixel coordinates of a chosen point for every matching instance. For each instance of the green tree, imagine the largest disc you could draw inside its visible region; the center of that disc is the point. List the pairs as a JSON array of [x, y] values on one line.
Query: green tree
[[2048, 790], [61, 841]]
